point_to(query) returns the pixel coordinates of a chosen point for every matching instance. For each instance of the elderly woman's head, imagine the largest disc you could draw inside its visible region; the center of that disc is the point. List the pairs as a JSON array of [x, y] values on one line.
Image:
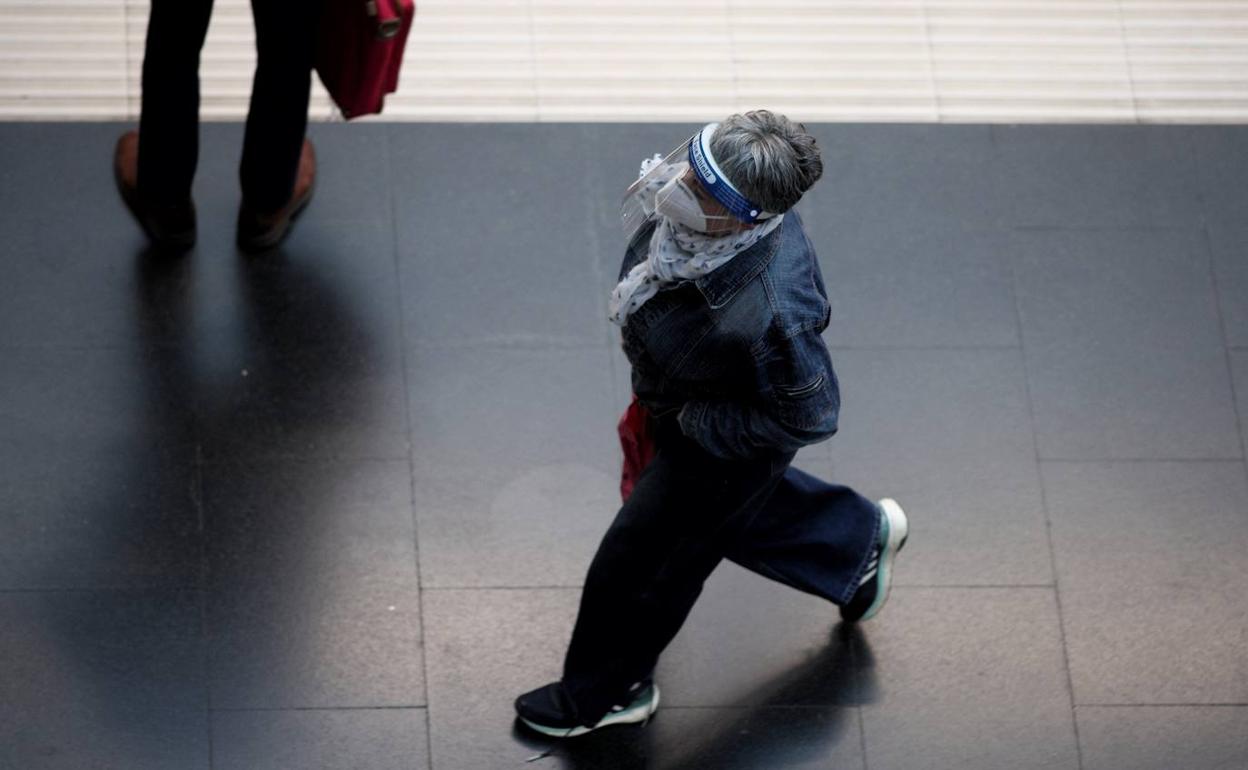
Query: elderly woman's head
[[726, 176], [769, 158]]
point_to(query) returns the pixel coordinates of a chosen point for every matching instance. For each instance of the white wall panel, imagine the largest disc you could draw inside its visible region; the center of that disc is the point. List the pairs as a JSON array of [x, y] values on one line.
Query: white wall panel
[[1189, 60], [62, 59], [834, 61], [902, 60]]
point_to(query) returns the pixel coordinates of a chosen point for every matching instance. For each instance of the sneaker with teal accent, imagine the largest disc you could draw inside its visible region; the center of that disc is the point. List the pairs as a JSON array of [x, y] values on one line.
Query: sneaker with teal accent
[[873, 588], [549, 711]]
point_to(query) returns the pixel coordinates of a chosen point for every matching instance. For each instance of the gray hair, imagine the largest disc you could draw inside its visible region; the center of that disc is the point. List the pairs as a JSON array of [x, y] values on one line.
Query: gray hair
[[769, 158]]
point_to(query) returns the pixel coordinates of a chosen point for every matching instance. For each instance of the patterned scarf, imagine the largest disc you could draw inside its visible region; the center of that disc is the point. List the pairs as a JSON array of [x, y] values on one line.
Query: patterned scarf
[[678, 253]]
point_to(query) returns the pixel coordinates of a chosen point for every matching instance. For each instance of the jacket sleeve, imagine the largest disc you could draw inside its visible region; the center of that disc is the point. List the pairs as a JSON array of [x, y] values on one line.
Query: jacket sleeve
[[799, 404]]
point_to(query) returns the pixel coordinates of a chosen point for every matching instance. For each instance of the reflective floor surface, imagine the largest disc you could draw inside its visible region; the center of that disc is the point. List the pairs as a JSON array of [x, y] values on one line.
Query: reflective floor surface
[[331, 507]]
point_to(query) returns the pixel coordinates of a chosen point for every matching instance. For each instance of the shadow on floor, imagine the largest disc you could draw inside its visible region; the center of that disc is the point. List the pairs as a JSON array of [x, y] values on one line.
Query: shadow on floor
[[141, 658], [788, 728]]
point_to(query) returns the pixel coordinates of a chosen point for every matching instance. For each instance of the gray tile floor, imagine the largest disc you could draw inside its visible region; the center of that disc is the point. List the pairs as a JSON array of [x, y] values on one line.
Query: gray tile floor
[[331, 507]]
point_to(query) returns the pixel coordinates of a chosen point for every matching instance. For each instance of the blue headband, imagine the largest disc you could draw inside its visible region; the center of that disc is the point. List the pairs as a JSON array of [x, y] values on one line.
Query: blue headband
[[714, 180]]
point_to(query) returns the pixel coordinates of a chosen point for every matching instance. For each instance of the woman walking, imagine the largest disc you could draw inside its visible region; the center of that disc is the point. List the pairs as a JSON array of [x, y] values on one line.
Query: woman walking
[[721, 304]]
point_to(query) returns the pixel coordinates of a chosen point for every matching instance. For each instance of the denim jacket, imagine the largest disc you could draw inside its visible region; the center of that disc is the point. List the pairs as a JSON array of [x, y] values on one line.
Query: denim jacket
[[736, 354]]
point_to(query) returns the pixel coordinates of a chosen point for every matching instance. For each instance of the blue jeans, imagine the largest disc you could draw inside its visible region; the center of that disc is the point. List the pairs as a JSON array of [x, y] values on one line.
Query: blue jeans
[[688, 511]]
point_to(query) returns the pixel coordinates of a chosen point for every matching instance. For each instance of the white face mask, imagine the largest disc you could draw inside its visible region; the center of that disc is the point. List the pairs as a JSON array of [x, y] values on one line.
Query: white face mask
[[678, 203]]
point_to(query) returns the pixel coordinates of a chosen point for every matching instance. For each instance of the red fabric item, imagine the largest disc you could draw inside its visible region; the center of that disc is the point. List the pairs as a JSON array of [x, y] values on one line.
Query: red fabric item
[[637, 441], [359, 50]]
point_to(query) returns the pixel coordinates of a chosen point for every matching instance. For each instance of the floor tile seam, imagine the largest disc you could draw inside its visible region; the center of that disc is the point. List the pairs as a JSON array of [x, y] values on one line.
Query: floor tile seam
[[1061, 627], [900, 586], [761, 707], [1229, 359], [589, 178], [106, 589], [862, 736], [1029, 588], [975, 586], [613, 370], [466, 345], [319, 220], [1044, 508], [1139, 460], [211, 739], [125, 346], [921, 348], [217, 464], [1216, 704], [406, 350], [1193, 159], [283, 709], [526, 345], [205, 576], [150, 705], [604, 276], [427, 589], [1194, 226], [1200, 181]]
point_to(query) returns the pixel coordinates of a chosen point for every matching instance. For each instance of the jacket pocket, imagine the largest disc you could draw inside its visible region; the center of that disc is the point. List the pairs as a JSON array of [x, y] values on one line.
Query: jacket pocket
[[814, 411], [801, 391]]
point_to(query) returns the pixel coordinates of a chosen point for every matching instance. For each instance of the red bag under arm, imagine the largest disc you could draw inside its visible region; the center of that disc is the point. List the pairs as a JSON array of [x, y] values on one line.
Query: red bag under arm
[[637, 441], [359, 50]]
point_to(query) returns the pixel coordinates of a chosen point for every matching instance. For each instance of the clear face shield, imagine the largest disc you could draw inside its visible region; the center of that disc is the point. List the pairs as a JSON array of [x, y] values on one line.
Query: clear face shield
[[688, 188]]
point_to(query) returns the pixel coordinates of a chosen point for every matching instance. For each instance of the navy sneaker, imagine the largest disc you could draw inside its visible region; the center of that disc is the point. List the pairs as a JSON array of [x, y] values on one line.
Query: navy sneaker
[[873, 589], [550, 711]]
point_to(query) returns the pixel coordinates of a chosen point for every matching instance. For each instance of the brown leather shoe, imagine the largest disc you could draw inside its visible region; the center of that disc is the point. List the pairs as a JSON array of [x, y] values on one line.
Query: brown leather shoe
[[258, 231], [170, 226]]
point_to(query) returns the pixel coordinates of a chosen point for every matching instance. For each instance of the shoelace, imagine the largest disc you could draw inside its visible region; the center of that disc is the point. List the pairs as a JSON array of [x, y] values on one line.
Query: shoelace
[[874, 564], [872, 567]]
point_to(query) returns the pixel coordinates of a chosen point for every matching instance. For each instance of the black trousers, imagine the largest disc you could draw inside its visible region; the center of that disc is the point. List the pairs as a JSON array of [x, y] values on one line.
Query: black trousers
[[689, 511], [278, 116]]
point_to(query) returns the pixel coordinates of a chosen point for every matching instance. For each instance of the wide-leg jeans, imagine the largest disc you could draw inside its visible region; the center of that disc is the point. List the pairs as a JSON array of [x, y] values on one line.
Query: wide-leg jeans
[[688, 511]]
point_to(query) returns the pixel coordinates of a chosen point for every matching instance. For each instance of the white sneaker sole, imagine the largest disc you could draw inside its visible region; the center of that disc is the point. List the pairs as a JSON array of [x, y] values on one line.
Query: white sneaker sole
[[898, 529], [639, 713]]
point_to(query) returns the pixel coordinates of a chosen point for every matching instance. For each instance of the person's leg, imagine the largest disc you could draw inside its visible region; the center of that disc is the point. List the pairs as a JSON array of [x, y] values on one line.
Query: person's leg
[[278, 116], [169, 118], [685, 511], [811, 535]]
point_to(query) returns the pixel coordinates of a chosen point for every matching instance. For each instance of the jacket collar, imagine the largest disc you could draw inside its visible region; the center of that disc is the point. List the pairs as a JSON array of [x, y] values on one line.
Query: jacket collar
[[721, 285]]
